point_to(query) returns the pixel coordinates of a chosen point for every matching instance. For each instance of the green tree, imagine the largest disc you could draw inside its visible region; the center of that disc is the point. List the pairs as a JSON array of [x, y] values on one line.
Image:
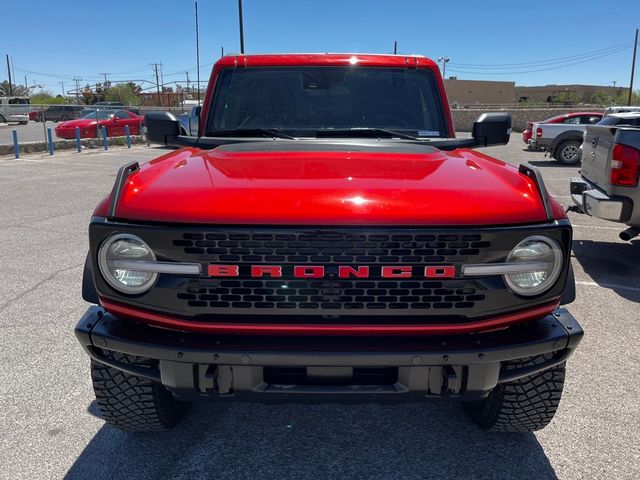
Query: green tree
[[46, 98], [127, 93]]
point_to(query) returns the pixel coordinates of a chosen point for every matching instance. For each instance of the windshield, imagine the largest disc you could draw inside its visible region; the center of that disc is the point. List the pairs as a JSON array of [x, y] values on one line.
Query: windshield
[[101, 115], [304, 100]]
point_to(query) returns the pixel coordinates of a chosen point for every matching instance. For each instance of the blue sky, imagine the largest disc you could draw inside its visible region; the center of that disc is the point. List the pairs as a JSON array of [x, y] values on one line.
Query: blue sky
[[52, 42]]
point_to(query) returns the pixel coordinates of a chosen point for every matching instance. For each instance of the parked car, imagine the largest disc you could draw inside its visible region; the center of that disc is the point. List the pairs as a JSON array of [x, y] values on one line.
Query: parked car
[[14, 109], [608, 186], [189, 121], [114, 121], [328, 237], [60, 113], [562, 140], [568, 118]]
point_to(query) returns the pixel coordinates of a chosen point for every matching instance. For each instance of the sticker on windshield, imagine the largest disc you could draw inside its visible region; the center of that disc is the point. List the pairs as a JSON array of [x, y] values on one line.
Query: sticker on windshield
[[428, 133]]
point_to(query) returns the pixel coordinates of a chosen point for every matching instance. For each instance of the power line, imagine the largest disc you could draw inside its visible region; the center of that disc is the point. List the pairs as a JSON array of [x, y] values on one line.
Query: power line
[[618, 47], [483, 72]]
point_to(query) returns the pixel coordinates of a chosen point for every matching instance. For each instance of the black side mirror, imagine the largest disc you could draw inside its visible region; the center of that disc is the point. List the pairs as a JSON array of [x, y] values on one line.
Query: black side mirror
[[162, 127], [492, 129], [197, 111]]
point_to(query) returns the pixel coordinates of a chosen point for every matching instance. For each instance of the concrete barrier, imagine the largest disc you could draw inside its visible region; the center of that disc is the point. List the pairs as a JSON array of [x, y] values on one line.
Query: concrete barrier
[[463, 118]]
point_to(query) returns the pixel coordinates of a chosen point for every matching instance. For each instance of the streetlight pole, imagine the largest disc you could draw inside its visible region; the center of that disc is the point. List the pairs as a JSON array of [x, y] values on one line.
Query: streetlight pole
[[444, 61], [241, 26]]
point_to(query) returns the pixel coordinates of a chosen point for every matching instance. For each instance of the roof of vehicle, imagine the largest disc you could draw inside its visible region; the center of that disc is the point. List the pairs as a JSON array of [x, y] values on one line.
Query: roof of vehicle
[[625, 114], [366, 59]]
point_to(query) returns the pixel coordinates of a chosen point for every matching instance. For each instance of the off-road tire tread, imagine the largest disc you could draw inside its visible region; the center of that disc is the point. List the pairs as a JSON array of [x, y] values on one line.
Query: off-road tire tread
[[133, 403], [523, 405]]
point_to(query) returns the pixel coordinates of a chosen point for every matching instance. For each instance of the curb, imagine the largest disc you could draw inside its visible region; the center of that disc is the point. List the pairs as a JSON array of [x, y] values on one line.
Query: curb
[[35, 147]]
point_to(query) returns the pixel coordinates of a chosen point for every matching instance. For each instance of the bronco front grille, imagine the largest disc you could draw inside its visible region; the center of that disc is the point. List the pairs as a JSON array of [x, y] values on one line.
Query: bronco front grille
[[289, 298], [319, 247], [314, 295]]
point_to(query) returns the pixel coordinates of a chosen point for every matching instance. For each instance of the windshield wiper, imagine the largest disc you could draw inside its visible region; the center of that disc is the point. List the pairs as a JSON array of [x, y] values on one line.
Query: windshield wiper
[[364, 131], [249, 132]]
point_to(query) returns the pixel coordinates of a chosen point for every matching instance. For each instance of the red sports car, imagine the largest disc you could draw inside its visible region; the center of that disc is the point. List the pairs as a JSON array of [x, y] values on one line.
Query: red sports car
[[588, 118], [90, 126]]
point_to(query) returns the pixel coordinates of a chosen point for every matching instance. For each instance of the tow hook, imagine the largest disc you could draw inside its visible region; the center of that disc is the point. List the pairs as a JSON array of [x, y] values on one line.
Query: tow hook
[[575, 209]]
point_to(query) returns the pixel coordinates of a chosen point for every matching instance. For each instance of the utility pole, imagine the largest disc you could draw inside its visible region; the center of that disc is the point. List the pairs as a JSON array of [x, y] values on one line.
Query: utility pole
[[9, 72], [444, 61], [63, 94], [155, 70], [198, 52], [395, 47], [77, 80], [161, 77], [241, 26], [187, 74], [105, 77], [633, 68], [221, 52], [26, 85]]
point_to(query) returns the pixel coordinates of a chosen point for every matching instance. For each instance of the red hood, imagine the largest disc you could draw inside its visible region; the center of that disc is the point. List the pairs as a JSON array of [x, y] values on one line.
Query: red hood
[[81, 122], [344, 187]]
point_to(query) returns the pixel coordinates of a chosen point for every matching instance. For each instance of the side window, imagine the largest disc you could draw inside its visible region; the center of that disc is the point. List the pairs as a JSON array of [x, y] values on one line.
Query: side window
[[592, 120], [572, 120], [121, 114]]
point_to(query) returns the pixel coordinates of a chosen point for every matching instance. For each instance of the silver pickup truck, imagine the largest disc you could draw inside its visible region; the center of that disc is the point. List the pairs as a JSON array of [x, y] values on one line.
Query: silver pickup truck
[[189, 121], [562, 140], [608, 186]]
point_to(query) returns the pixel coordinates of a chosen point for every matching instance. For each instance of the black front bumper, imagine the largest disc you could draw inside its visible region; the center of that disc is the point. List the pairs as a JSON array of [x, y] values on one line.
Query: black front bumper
[[332, 368]]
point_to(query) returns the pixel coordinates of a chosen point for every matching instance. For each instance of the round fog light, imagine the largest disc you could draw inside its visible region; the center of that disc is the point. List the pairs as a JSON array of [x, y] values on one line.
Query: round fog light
[[126, 279], [542, 263]]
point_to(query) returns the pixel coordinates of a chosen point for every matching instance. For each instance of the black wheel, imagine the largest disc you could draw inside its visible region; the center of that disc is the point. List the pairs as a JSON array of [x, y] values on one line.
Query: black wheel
[[523, 405], [132, 403], [65, 118], [2, 119], [568, 152]]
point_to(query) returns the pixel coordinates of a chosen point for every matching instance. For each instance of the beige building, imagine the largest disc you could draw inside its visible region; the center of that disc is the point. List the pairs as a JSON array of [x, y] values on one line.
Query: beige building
[[566, 93], [470, 92]]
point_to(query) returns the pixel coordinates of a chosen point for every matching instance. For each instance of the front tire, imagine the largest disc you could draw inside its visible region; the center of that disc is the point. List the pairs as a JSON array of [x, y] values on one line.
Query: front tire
[[568, 152], [522, 405], [133, 403]]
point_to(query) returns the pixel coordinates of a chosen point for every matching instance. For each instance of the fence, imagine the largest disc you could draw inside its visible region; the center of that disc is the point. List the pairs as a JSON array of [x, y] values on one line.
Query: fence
[[42, 128]]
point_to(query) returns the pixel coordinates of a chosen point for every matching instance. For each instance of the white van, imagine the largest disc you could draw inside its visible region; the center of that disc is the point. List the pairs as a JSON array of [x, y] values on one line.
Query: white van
[[14, 109], [609, 110]]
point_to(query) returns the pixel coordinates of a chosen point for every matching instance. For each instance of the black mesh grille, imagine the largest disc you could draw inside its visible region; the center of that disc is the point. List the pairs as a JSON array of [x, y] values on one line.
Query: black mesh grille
[[313, 295], [333, 247]]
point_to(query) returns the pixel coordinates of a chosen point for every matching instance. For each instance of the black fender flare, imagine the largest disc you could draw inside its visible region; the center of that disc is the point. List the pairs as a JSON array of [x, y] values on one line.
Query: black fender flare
[[576, 135], [569, 294], [89, 293]]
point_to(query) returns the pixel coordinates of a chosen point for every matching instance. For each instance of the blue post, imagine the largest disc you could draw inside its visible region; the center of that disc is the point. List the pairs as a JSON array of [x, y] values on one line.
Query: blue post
[[50, 138], [78, 143], [126, 132], [16, 146], [104, 137]]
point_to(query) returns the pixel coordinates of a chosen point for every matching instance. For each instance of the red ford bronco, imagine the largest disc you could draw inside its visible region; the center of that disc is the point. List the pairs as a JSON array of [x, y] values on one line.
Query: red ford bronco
[[325, 236]]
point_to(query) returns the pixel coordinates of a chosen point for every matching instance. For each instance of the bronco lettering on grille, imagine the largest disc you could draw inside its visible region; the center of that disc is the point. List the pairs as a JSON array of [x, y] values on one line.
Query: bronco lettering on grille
[[343, 271]]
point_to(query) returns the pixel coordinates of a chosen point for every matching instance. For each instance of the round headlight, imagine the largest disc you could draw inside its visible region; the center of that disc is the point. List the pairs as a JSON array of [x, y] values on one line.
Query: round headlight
[[542, 263], [115, 261]]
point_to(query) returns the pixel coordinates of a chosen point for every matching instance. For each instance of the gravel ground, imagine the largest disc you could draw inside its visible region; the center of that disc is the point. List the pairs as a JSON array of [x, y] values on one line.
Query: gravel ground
[[50, 425]]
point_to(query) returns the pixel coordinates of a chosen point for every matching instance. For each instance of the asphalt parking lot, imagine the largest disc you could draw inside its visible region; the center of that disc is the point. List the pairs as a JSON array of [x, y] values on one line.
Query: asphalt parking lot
[[50, 425], [31, 132]]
